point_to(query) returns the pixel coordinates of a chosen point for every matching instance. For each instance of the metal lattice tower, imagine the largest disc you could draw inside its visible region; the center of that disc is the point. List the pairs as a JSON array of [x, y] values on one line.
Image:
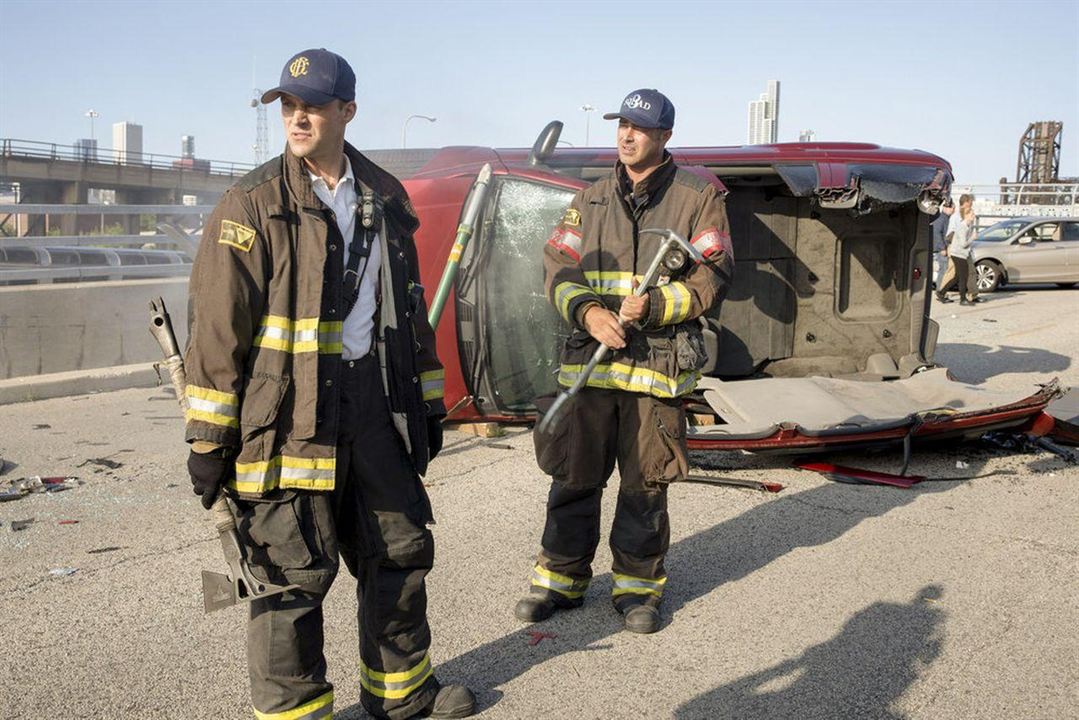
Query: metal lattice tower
[[262, 132], [1039, 153]]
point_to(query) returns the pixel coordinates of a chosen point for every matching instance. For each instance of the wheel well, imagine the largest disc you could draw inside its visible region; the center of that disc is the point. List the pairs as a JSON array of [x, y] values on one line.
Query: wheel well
[[1000, 267]]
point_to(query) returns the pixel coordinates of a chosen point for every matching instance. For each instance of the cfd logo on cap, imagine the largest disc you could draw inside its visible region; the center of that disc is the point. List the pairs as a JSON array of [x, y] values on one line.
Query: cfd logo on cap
[[298, 66], [634, 101]]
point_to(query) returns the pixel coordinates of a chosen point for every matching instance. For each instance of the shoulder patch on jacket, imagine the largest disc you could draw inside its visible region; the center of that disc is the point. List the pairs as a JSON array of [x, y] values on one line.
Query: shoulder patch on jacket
[[237, 235], [572, 218]]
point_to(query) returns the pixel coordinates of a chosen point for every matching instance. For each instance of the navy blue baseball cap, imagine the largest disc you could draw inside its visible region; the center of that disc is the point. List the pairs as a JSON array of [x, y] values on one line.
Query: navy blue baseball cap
[[646, 108], [315, 76]]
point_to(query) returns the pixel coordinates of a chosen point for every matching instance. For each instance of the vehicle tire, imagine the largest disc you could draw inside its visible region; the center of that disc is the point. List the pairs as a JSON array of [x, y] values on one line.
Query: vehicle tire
[[989, 275], [1066, 285]]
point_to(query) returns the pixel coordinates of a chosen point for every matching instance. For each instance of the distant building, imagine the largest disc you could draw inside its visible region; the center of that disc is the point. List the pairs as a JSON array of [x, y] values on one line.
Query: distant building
[[806, 136], [86, 150], [187, 146], [764, 116], [187, 160], [127, 143]]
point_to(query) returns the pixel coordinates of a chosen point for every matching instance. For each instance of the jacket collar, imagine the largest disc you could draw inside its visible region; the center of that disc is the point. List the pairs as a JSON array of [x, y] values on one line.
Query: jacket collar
[[298, 181], [649, 186]]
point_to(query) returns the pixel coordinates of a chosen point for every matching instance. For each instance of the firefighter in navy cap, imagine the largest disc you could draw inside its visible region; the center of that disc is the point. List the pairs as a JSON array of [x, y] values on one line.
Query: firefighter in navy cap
[[630, 411], [316, 400]]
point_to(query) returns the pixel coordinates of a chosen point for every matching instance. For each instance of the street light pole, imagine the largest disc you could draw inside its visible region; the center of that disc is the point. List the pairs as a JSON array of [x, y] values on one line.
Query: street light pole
[[404, 127], [91, 113], [587, 116]]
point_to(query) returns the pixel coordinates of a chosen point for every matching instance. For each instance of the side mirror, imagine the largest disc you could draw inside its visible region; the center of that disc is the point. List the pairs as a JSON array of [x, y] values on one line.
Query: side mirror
[[545, 143]]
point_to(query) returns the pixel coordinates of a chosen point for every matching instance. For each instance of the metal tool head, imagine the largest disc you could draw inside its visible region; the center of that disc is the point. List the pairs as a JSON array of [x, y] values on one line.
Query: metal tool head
[[675, 240]]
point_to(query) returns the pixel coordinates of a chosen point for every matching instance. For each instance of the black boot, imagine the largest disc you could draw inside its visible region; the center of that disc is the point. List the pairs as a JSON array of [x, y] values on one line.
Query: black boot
[[942, 298], [541, 604], [639, 612], [452, 701]]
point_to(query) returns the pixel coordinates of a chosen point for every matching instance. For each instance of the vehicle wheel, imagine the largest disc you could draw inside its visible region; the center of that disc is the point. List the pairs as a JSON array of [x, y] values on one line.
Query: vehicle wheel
[[1066, 285], [989, 275]]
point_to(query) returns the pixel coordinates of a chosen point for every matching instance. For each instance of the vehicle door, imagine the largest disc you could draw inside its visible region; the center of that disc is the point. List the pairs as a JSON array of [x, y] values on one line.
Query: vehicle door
[[510, 335], [1039, 256], [1070, 241]]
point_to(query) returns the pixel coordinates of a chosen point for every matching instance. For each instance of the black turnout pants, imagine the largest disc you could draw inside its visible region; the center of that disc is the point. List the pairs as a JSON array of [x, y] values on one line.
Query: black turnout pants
[[376, 519], [646, 437]]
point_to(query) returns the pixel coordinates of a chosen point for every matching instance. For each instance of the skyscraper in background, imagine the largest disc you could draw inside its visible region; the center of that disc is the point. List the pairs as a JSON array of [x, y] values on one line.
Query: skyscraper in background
[[764, 116], [807, 136], [127, 143]]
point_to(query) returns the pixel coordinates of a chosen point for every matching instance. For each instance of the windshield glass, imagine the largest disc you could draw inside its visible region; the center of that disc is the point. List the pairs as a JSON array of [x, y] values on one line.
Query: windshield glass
[[525, 333], [1001, 230]]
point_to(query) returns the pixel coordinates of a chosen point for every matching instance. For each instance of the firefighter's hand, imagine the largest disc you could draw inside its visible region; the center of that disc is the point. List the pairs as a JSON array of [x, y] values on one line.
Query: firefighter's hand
[[434, 436], [634, 308], [603, 325], [209, 471]]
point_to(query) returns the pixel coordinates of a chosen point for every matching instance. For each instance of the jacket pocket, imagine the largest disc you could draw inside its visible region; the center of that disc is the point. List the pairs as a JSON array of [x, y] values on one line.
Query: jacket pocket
[[278, 531], [663, 442], [262, 400]]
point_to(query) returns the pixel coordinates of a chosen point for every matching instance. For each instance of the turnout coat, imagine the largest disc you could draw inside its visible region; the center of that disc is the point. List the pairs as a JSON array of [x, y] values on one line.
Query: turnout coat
[[266, 303]]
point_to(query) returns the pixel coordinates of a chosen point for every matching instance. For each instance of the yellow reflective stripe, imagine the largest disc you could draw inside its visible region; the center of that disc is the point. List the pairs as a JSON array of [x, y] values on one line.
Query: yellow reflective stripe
[[561, 584], [565, 293], [629, 585], [212, 406], [619, 376], [611, 282], [676, 303], [212, 418], [396, 685], [298, 336], [285, 471], [330, 337], [431, 383], [320, 707]]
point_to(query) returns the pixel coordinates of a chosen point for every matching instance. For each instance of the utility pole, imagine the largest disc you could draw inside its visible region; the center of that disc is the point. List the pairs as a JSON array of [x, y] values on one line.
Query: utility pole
[[588, 110], [91, 113]]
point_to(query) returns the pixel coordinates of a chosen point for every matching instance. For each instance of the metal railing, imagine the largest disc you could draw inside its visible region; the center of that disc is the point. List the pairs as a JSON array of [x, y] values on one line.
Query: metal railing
[[167, 252], [13, 148], [1008, 200]]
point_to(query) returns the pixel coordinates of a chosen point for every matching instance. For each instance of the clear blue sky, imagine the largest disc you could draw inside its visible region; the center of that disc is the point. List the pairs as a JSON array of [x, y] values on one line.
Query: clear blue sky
[[961, 79]]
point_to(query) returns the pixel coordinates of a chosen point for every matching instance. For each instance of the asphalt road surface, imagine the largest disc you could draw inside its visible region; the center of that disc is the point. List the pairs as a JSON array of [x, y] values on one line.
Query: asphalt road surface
[[956, 599]]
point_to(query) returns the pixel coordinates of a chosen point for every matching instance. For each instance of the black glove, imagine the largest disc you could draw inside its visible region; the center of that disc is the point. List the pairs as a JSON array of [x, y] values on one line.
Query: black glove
[[208, 472], [434, 436]]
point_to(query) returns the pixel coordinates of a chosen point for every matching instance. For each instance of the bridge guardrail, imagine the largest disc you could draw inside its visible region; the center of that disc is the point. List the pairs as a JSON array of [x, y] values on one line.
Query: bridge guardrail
[[15, 148]]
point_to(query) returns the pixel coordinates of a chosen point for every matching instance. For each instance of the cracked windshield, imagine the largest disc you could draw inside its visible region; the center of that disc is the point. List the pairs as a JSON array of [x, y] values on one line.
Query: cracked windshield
[[524, 362]]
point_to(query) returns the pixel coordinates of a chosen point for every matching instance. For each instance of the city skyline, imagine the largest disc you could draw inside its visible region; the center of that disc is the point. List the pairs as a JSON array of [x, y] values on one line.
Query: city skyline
[[487, 73]]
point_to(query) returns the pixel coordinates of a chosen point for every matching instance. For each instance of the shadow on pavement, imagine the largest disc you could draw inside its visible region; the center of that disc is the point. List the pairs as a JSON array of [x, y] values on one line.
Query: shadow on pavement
[[761, 535], [859, 673], [977, 363]]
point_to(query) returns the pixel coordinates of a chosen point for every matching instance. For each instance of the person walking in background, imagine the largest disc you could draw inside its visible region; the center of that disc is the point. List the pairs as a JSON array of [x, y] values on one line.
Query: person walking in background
[[961, 235], [940, 248]]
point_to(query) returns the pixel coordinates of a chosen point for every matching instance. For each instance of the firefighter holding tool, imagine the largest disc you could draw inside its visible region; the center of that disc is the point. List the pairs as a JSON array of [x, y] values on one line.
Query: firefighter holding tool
[[315, 400], [630, 408]]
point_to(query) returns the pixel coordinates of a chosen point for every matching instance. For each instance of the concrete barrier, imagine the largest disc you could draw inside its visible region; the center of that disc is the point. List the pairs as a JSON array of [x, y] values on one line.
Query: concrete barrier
[[59, 329]]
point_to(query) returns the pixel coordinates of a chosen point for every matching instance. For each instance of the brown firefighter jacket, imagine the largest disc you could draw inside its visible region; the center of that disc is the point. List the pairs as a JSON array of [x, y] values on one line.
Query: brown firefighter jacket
[[596, 251], [264, 356]]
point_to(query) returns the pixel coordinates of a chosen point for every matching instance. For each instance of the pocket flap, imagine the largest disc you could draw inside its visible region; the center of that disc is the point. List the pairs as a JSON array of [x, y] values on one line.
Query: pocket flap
[[262, 398]]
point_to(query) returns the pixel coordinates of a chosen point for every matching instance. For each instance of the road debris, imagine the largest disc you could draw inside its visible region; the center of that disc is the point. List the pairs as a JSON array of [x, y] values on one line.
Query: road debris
[[68, 522], [102, 462], [759, 485], [537, 636], [844, 474], [17, 525], [63, 571], [20, 487], [960, 465], [98, 551]]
